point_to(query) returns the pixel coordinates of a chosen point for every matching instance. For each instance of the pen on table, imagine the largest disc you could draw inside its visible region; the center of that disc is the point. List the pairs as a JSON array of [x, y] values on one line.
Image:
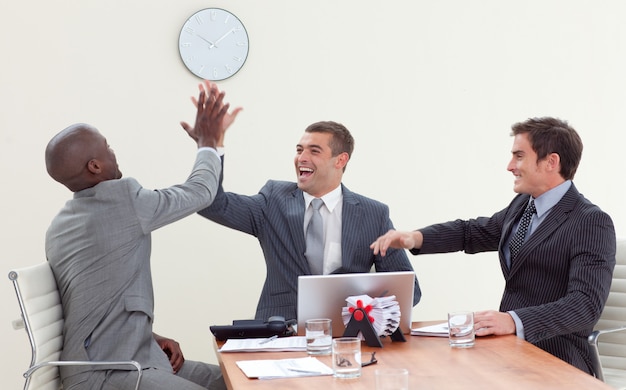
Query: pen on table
[[304, 371], [268, 339]]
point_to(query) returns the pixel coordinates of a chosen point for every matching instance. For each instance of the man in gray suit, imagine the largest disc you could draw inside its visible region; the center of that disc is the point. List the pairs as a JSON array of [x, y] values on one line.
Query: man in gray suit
[[279, 215], [557, 267], [98, 247]]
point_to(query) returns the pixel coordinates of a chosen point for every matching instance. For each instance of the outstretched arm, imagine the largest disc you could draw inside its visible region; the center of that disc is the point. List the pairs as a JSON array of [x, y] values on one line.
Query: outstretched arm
[[398, 240]]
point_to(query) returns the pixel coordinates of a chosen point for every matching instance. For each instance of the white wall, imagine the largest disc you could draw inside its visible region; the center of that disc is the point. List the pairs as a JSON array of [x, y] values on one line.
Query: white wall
[[428, 88]]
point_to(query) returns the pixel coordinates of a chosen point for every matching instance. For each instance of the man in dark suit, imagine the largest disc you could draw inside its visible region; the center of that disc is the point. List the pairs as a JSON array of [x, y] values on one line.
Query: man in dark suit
[[280, 213], [558, 273]]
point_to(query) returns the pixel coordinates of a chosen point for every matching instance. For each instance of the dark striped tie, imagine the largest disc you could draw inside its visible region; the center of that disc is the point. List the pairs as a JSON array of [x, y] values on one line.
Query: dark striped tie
[[518, 239]]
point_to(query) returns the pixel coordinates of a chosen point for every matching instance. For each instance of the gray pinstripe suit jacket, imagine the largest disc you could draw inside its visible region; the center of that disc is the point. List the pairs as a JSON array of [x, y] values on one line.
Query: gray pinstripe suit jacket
[[276, 217], [560, 280], [98, 247]]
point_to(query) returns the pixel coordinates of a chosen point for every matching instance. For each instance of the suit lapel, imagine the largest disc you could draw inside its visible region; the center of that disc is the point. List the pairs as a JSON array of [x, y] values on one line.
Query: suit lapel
[[352, 215], [518, 206], [507, 229], [556, 217], [294, 211]]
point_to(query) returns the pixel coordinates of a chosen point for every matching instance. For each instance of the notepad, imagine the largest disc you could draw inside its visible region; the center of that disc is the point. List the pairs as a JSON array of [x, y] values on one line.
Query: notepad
[[439, 330], [283, 368], [292, 343]]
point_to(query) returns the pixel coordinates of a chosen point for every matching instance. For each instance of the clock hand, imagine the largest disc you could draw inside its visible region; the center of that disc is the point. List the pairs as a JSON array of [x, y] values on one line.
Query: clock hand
[[223, 36], [207, 41]]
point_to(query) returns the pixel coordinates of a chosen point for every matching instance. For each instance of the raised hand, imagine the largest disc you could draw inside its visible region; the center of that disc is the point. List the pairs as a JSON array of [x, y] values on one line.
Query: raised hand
[[229, 117], [210, 111]]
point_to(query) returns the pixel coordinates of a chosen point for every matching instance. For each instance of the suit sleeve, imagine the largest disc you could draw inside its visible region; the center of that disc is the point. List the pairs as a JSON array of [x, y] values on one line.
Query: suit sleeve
[[157, 208], [239, 212], [470, 236]]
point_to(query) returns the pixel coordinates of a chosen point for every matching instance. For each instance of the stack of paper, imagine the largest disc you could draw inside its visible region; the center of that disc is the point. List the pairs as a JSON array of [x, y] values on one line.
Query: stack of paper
[[385, 312], [292, 343], [440, 330], [283, 368]]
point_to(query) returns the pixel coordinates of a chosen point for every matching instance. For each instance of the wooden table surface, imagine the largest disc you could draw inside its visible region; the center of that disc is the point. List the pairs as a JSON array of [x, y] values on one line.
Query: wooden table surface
[[502, 362]]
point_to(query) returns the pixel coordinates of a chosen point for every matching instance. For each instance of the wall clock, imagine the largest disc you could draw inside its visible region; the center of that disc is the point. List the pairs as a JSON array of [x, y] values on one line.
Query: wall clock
[[213, 44]]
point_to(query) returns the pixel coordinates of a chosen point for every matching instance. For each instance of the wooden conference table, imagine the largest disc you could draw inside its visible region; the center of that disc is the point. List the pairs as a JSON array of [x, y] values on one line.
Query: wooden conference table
[[502, 362]]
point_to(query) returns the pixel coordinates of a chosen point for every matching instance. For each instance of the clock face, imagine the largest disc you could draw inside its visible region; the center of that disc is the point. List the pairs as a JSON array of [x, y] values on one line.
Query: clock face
[[213, 44]]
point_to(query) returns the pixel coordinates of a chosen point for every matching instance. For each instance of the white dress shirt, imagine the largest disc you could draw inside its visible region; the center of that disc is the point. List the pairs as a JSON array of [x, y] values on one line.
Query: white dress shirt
[[331, 215]]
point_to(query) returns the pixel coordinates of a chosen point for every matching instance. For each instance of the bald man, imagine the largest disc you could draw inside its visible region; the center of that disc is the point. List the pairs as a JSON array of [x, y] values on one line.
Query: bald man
[[99, 249]]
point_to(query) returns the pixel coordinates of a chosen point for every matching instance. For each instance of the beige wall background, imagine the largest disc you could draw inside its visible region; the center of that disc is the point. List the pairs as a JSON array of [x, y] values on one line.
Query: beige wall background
[[428, 88]]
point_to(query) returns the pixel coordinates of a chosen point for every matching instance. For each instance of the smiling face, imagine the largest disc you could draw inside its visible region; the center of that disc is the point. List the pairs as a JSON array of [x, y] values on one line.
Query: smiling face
[[531, 176], [317, 170]]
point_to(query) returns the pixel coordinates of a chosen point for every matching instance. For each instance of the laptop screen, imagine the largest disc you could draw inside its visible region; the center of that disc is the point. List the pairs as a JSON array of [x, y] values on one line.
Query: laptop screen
[[323, 296]]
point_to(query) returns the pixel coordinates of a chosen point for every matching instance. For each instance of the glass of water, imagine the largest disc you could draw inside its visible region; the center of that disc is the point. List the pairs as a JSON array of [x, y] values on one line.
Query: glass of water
[[461, 329], [347, 357], [318, 336]]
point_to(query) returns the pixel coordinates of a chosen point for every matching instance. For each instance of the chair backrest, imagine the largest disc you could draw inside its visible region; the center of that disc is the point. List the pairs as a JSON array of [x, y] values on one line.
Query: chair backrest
[[42, 313], [612, 346]]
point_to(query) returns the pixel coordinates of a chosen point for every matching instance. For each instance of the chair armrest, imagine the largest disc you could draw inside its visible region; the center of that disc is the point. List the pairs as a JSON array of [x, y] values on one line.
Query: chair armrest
[[111, 364], [593, 337], [595, 353]]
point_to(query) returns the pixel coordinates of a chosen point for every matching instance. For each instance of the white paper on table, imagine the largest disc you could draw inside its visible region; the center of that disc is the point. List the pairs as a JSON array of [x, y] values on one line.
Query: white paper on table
[[291, 343], [439, 330], [283, 368]]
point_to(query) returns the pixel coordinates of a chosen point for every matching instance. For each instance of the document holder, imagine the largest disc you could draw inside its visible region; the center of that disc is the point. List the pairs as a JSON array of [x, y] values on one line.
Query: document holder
[[243, 329], [359, 322]]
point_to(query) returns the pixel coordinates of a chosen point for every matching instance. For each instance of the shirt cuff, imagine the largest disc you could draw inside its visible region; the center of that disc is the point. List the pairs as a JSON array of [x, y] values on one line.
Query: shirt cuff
[[211, 149], [519, 327]]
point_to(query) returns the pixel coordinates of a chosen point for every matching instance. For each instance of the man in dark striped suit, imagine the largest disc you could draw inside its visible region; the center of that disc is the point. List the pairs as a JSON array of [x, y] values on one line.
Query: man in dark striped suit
[[279, 216], [558, 269]]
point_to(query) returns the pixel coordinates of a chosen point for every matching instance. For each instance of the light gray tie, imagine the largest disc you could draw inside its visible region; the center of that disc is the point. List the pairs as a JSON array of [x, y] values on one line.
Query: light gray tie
[[315, 239], [518, 239]]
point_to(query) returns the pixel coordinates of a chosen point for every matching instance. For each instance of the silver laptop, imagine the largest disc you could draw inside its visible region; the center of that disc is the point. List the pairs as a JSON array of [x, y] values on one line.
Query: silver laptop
[[323, 296]]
